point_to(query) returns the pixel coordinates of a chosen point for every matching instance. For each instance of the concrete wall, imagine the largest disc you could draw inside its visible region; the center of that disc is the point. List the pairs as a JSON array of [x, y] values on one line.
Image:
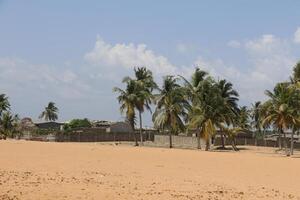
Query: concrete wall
[[191, 142], [178, 141]]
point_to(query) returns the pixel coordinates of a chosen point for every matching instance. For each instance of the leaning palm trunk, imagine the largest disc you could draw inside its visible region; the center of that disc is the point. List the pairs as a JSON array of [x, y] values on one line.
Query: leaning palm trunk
[[198, 139], [233, 144], [141, 128]]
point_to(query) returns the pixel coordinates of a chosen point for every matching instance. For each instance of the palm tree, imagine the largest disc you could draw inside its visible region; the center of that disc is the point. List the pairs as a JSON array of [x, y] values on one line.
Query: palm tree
[[230, 99], [283, 109], [50, 112], [256, 118], [208, 112], [192, 89], [128, 98], [7, 123], [145, 87], [171, 107], [4, 103], [232, 133], [243, 118]]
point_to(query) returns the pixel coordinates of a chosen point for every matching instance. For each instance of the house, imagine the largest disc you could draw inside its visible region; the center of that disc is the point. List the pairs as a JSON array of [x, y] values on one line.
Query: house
[[50, 125], [115, 127]]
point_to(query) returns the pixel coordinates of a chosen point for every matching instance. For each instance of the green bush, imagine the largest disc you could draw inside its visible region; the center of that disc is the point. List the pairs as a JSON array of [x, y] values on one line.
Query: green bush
[[77, 123]]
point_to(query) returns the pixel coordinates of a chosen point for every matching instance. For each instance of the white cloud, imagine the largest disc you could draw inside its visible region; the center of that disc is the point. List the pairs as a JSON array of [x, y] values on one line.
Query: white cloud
[[128, 56], [234, 44], [271, 61], [18, 76], [297, 36]]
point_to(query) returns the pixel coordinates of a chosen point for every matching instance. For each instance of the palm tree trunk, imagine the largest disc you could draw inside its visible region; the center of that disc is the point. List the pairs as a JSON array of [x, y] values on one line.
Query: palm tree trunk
[[233, 144], [292, 142], [133, 133], [207, 147], [279, 139], [170, 139], [255, 138], [264, 137], [223, 140], [141, 127], [198, 139], [285, 144]]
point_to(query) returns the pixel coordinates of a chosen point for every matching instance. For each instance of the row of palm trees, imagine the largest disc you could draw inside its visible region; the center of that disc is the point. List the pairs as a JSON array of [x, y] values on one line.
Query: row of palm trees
[[201, 104], [205, 105], [281, 111]]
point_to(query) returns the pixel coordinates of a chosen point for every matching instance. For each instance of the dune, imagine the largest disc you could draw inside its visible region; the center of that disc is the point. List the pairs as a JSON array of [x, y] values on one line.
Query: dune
[[40, 170]]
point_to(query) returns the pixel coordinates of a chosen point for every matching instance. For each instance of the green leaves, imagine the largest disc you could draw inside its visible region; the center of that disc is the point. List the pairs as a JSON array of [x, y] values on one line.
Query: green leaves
[[50, 112]]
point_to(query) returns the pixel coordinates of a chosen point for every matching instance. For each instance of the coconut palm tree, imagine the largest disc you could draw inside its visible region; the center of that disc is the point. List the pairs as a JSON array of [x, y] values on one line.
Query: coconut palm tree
[[171, 107], [50, 112], [127, 99], [192, 89], [4, 103], [283, 109], [243, 118], [230, 105], [256, 118], [7, 123], [145, 86], [209, 110]]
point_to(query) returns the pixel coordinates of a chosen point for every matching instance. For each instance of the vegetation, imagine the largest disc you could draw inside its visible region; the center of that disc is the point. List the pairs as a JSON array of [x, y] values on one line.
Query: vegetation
[[77, 123], [171, 107], [199, 104], [50, 112], [128, 98], [206, 106]]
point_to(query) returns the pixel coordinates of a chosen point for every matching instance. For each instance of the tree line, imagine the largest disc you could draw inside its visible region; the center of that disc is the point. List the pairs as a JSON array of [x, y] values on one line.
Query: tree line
[[11, 125], [204, 105]]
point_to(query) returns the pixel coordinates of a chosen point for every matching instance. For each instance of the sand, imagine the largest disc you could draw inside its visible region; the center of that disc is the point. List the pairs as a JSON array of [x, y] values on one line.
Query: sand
[[40, 170]]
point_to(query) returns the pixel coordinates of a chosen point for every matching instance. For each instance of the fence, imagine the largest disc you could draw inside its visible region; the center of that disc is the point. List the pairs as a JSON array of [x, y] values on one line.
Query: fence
[[89, 135]]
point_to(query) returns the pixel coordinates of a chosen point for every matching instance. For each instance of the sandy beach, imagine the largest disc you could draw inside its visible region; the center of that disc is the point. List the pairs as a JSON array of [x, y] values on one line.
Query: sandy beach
[[40, 170]]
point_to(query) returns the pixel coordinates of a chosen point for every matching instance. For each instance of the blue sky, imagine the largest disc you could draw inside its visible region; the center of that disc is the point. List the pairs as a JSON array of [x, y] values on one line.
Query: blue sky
[[74, 52]]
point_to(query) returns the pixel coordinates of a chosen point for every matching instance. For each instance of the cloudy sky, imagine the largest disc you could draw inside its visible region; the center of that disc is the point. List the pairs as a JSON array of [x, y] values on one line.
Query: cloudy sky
[[75, 53]]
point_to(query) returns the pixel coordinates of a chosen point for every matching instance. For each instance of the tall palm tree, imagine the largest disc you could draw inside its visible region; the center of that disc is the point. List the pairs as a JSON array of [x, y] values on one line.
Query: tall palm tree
[[256, 119], [230, 99], [283, 109], [145, 87], [208, 112], [192, 89], [4, 103], [50, 112], [171, 107], [127, 99]]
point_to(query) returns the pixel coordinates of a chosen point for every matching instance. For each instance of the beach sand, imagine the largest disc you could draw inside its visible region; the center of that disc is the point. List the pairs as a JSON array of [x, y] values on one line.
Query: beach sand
[[41, 170]]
